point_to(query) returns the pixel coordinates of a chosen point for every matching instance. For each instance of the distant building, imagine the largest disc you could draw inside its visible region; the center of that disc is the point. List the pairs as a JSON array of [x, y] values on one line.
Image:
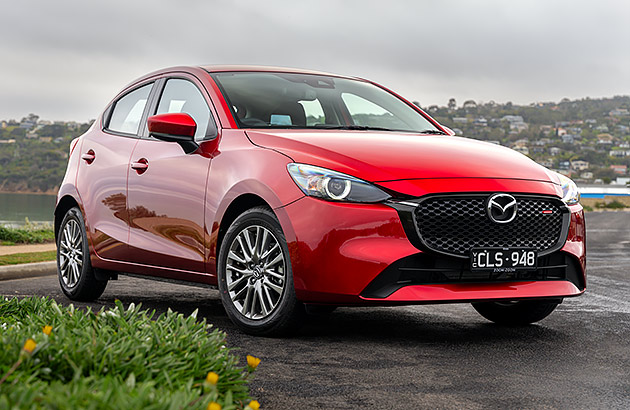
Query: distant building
[[586, 175], [480, 122], [546, 163], [605, 139], [512, 118], [567, 139], [522, 149], [554, 151], [579, 165], [29, 121], [564, 165], [619, 112], [619, 169], [619, 153], [460, 120], [3, 124], [621, 181], [11, 141]]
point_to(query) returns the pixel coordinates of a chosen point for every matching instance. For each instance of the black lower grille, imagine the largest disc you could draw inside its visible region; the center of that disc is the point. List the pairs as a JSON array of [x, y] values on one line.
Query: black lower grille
[[455, 224], [425, 269]]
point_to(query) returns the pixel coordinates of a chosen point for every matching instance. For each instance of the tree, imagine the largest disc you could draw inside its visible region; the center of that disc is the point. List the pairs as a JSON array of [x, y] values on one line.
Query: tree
[[452, 104]]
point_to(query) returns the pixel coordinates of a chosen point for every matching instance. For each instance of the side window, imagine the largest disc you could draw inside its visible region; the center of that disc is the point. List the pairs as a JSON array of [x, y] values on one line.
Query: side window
[[364, 112], [314, 112], [183, 96], [127, 112]]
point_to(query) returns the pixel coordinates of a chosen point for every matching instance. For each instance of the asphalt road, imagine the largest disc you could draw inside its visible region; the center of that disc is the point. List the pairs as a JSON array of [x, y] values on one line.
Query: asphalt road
[[443, 356]]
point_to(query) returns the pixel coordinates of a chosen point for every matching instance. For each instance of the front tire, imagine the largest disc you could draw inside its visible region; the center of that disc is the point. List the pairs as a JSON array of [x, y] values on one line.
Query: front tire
[[74, 268], [516, 313], [255, 276]]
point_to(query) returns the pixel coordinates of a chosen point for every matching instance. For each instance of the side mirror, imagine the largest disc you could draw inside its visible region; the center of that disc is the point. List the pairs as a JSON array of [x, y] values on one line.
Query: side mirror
[[448, 130], [174, 127]]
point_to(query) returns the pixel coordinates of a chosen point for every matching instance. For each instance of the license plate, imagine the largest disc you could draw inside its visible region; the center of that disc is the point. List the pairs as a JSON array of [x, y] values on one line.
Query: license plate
[[503, 259]]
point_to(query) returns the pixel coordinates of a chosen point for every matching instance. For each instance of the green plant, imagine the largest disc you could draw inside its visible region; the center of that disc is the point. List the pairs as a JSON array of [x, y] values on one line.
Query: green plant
[[588, 208], [615, 205], [29, 233], [115, 358]]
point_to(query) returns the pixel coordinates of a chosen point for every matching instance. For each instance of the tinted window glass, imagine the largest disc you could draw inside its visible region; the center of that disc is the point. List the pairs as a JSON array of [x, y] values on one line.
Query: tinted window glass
[[183, 96], [287, 100], [127, 112]]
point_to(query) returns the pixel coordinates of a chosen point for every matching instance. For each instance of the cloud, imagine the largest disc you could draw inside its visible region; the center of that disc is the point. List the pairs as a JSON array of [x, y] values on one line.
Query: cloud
[[66, 59]]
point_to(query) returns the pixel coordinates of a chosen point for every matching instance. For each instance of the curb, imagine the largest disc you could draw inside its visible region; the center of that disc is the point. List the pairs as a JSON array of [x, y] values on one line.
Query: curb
[[28, 270]]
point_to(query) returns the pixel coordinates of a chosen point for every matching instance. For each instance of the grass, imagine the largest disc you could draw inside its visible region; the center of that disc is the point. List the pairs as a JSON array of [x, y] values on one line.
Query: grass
[[65, 358], [18, 258], [29, 233]]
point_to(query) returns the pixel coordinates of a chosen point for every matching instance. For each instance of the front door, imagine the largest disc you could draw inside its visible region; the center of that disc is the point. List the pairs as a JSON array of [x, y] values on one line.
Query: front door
[[166, 189]]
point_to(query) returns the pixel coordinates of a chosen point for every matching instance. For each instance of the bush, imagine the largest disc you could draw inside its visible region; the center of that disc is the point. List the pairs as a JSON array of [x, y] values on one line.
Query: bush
[[29, 233], [116, 358]]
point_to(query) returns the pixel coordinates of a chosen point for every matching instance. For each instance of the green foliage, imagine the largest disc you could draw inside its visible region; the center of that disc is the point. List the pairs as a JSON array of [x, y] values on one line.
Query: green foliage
[[116, 358], [610, 205], [587, 208], [29, 233]]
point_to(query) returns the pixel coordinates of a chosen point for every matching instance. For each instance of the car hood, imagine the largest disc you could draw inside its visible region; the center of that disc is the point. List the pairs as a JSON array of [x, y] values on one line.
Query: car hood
[[388, 156]]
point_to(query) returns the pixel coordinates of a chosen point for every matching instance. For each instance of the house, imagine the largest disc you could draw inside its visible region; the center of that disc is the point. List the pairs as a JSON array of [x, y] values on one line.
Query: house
[[11, 141], [512, 118], [579, 165], [619, 153], [3, 124], [29, 121], [586, 175], [564, 165], [522, 149], [601, 128], [538, 150], [548, 163], [460, 120], [546, 129], [619, 112], [619, 169], [45, 139], [567, 139], [554, 151], [480, 122], [621, 181], [591, 121], [32, 134], [518, 126], [605, 139]]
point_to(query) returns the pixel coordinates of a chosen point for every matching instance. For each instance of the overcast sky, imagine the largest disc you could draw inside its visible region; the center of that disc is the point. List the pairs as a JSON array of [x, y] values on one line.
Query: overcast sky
[[65, 59]]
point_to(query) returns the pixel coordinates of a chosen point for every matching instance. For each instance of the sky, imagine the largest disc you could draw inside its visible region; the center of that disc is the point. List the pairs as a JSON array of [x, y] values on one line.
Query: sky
[[66, 59]]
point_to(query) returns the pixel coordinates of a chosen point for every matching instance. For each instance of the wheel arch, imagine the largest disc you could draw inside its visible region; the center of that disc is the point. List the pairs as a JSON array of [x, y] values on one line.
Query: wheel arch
[[239, 205], [63, 205]]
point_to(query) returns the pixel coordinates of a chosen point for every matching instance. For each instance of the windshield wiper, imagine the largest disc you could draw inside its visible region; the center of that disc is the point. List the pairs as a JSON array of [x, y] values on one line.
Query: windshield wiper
[[351, 127], [433, 132]]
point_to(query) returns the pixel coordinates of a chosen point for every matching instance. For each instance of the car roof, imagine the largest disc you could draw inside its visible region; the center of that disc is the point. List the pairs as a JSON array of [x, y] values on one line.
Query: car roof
[[269, 69]]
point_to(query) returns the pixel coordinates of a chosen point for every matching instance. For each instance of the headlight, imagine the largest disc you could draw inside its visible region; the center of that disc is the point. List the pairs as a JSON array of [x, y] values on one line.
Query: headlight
[[570, 193], [333, 186]]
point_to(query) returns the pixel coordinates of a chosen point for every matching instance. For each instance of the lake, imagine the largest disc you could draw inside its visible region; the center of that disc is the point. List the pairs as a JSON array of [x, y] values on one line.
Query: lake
[[15, 208]]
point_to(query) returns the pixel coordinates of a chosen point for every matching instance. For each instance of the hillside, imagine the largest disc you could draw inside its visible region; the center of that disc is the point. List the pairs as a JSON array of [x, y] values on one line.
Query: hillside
[[587, 139]]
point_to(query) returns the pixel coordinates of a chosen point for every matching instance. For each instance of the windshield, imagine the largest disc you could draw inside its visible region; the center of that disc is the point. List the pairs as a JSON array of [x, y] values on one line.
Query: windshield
[[286, 100]]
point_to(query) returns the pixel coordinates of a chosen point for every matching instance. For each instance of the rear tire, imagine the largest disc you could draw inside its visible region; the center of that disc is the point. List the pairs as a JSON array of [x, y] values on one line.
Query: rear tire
[[76, 275], [516, 313], [255, 276]]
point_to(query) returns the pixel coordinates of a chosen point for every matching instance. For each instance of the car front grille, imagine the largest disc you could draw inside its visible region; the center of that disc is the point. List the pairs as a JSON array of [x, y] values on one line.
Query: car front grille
[[456, 224]]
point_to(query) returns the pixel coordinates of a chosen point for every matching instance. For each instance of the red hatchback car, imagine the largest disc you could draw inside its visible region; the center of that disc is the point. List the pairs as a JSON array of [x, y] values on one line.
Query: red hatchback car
[[297, 191]]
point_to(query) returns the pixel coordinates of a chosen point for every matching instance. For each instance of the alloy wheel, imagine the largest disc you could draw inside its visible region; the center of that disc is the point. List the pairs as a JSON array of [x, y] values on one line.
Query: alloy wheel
[[256, 272], [71, 253]]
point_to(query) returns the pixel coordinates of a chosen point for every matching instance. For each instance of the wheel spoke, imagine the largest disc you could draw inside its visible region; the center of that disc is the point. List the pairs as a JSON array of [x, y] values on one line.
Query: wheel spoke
[[275, 260], [232, 255], [245, 254], [237, 282], [273, 286], [274, 274], [268, 252], [261, 300]]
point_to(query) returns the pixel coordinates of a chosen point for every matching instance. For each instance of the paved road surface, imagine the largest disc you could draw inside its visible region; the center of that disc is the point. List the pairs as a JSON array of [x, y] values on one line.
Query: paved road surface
[[442, 356]]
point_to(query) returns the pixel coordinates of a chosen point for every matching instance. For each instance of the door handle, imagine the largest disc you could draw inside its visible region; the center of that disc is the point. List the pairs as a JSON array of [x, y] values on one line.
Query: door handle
[[140, 166], [88, 157]]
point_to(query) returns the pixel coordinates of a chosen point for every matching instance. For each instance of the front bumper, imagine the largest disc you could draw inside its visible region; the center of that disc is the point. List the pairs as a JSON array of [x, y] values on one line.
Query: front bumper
[[350, 254]]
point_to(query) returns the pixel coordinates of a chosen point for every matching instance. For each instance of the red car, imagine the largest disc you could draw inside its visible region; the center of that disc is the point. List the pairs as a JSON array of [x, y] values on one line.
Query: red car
[[296, 191]]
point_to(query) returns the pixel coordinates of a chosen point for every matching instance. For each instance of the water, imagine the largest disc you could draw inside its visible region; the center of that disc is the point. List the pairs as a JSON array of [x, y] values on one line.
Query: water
[[15, 208]]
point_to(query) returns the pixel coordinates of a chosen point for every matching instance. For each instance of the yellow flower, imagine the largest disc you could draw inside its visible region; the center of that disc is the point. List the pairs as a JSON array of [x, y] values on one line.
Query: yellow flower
[[29, 346], [212, 378], [254, 405], [47, 330], [213, 406], [252, 361]]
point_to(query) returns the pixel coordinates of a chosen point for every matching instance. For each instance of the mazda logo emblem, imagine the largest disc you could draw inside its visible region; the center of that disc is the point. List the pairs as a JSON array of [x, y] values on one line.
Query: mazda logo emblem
[[501, 208]]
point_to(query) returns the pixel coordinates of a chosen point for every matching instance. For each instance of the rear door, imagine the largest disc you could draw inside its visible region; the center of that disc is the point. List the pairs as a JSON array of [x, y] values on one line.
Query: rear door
[[166, 187], [103, 168]]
